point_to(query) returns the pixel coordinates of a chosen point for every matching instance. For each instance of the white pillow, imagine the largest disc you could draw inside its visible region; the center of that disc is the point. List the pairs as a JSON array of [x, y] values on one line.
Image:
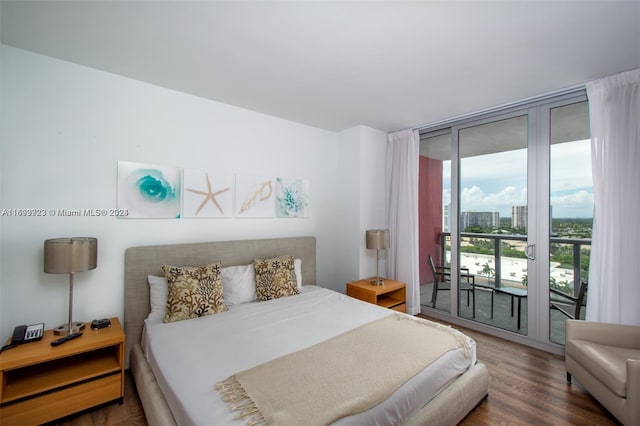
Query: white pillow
[[297, 268], [158, 290], [238, 284]]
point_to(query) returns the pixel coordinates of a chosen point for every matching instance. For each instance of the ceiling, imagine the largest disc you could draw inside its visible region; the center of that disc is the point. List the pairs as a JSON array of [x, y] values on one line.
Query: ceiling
[[334, 65]]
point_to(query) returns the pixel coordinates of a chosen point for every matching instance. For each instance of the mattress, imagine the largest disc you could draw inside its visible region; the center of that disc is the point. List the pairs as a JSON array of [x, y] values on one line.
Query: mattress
[[189, 357]]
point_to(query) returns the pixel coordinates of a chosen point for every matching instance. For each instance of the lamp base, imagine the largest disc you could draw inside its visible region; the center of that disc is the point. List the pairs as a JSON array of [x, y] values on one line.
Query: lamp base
[[63, 329], [377, 281]]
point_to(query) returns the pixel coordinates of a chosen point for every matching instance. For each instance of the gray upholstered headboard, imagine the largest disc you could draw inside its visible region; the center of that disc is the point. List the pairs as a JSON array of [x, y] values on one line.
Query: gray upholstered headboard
[[139, 262]]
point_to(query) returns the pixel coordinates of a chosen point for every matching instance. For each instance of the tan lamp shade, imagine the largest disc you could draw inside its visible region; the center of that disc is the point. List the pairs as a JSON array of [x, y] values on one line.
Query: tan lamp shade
[[378, 239], [70, 255]]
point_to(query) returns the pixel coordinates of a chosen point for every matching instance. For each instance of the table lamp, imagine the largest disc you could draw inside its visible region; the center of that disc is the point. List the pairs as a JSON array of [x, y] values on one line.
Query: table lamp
[[68, 256], [377, 239]]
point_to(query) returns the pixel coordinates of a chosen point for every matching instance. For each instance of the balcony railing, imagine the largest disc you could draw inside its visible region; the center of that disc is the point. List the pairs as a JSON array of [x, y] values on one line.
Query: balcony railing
[[576, 243]]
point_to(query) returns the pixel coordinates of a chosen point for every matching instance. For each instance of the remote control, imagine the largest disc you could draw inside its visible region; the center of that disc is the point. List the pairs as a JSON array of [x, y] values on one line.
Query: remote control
[[65, 338]]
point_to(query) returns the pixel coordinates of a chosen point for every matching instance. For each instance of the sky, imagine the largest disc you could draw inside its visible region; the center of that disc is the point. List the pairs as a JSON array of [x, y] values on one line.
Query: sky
[[495, 182]]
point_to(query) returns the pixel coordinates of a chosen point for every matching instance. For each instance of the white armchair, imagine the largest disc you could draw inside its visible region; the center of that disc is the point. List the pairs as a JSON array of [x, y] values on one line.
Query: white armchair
[[605, 359]]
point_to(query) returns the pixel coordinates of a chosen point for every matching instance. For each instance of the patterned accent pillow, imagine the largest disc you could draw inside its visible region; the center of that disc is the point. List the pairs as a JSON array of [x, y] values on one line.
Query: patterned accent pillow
[[275, 278], [194, 291]]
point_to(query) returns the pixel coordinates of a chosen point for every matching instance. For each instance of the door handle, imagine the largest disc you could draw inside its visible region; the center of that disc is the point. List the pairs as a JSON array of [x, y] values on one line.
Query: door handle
[[530, 251]]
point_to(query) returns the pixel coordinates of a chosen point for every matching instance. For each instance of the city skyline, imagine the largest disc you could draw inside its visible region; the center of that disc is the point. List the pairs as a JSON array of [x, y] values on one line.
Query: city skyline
[[497, 182]]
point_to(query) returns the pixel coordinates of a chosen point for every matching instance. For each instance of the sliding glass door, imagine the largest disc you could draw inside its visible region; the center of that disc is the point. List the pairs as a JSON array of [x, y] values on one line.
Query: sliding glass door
[[571, 212], [509, 214], [434, 206], [492, 226]]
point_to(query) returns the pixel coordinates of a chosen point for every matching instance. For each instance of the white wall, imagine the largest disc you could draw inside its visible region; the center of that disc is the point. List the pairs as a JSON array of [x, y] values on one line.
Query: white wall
[[348, 205], [64, 127], [373, 215], [360, 203]]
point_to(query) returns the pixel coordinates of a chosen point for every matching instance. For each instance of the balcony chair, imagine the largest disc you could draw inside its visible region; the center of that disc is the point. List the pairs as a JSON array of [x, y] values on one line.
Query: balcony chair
[[442, 282], [605, 359], [562, 301]]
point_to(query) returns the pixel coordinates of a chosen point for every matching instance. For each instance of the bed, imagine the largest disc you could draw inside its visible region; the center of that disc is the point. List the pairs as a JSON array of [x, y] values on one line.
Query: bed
[[159, 358]]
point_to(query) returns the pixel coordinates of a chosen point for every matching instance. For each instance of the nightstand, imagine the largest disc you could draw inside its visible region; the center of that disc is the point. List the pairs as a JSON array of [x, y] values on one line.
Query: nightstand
[[40, 383], [392, 295]]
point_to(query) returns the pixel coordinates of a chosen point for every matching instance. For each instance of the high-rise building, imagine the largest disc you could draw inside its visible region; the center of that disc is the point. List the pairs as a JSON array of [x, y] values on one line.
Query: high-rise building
[[480, 219], [445, 218], [519, 217]]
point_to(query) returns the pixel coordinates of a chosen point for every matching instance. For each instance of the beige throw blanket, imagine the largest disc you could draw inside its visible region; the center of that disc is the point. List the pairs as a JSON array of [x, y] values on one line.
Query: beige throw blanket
[[339, 377]]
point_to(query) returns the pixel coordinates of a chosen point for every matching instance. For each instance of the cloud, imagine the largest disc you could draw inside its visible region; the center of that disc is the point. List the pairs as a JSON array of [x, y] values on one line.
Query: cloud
[[576, 204], [571, 166], [475, 199], [576, 199]]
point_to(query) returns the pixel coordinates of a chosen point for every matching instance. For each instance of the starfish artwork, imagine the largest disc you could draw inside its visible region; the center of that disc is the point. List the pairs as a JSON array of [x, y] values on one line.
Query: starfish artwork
[[209, 195]]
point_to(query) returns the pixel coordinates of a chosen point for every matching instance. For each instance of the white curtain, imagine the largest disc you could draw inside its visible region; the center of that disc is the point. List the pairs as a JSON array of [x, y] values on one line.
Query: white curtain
[[403, 149], [614, 274]]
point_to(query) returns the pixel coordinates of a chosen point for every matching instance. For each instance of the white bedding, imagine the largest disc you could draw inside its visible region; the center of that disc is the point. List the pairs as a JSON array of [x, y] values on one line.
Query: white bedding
[[189, 357]]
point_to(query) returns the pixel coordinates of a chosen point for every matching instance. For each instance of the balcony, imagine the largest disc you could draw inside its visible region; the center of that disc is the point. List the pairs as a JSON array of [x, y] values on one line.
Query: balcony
[[499, 268]]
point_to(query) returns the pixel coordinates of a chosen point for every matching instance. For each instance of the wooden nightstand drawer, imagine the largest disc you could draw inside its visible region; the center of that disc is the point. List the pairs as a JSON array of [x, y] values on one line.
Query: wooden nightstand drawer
[[62, 403], [400, 308], [392, 294]]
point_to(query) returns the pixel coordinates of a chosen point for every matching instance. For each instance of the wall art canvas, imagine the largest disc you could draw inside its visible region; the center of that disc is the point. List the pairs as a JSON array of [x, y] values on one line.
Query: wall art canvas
[[149, 191], [255, 196], [292, 197], [207, 194]]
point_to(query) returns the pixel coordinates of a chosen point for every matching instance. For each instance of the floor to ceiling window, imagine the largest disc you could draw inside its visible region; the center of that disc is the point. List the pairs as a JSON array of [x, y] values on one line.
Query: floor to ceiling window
[[571, 212], [434, 204], [492, 239], [506, 204]]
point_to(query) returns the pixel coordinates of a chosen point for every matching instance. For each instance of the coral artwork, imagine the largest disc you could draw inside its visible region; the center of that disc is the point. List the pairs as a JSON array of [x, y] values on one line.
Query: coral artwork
[[292, 197]]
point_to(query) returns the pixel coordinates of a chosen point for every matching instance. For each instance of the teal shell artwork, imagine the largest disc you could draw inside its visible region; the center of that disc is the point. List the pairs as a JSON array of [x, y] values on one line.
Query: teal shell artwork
[[153, 187], [149, 192]]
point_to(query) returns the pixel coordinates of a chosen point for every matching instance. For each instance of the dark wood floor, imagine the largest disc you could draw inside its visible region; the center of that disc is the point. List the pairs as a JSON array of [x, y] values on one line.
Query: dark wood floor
[[529, 387], [526, 387]]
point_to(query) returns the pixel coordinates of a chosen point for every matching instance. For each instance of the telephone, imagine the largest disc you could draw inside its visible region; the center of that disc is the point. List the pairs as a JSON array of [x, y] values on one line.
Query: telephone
[[27, 333]]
